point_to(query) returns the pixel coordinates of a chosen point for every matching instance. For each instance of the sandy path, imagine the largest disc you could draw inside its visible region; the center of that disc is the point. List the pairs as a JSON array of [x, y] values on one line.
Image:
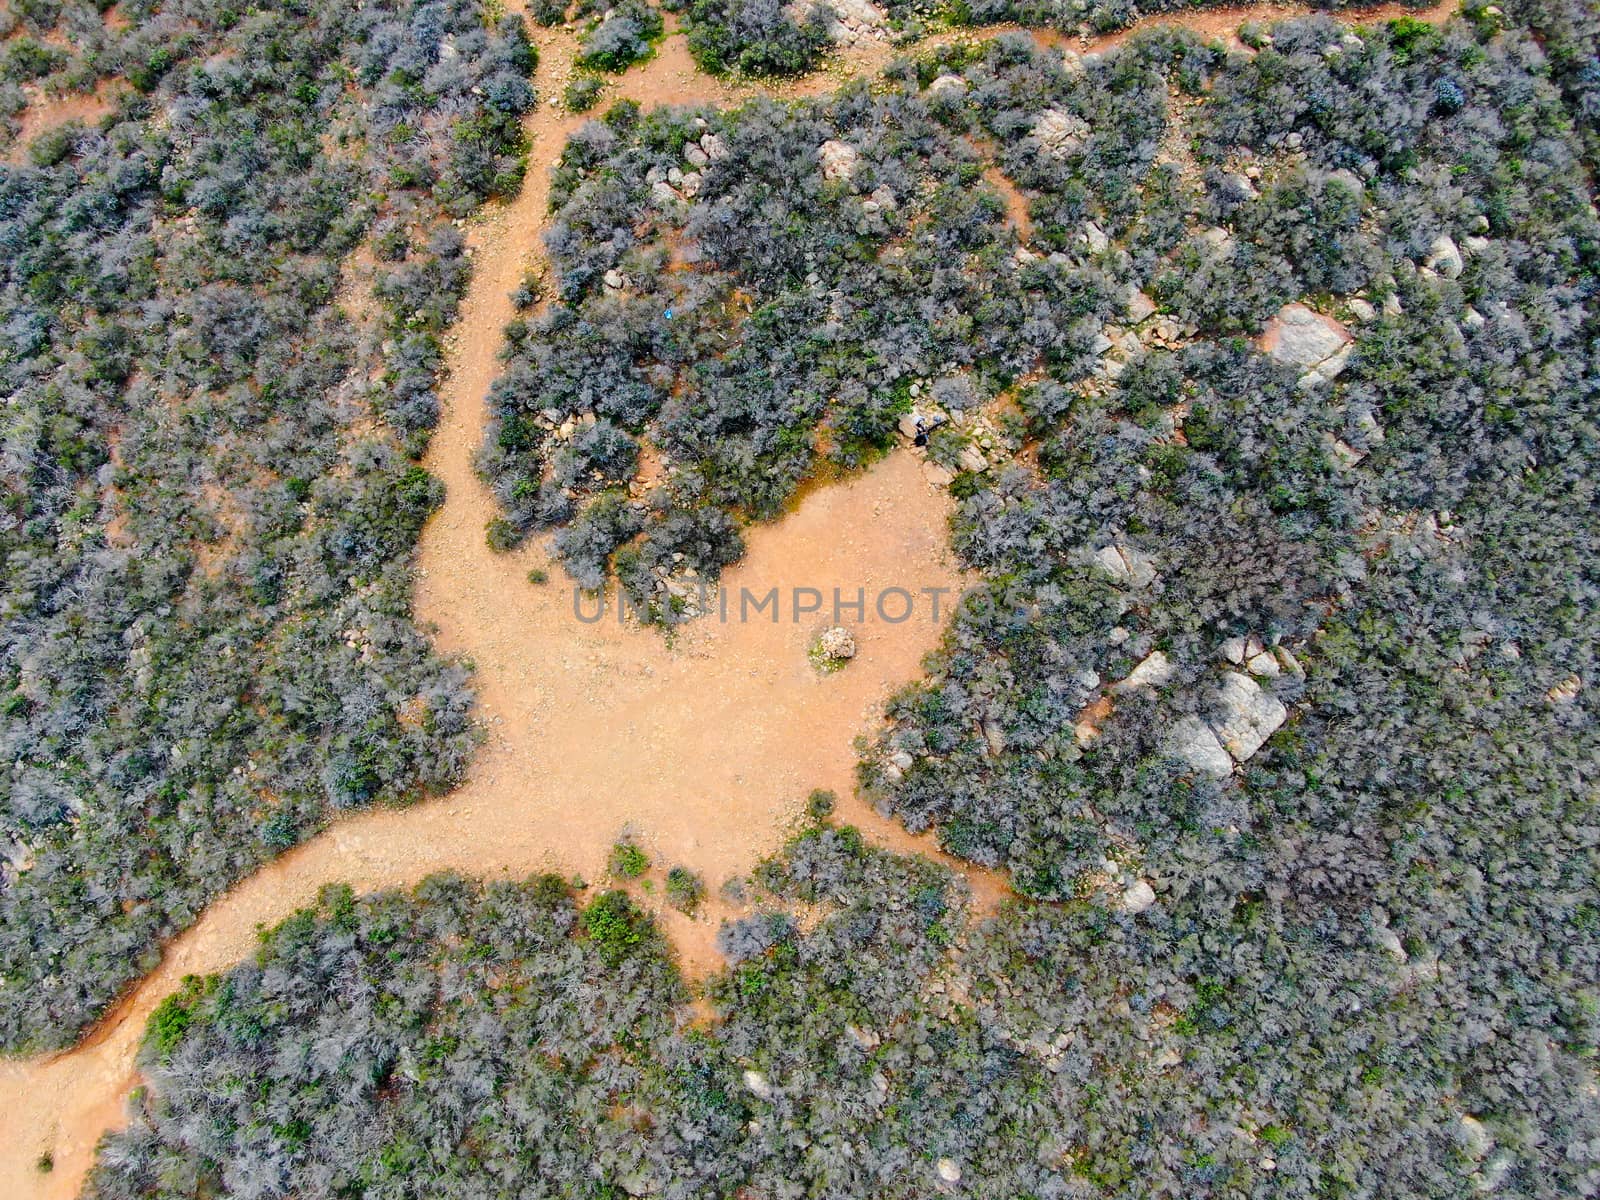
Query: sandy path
[[705, 748]]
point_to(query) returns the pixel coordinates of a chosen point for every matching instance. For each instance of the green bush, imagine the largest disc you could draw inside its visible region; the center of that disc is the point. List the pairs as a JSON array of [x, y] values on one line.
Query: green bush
[[628, 861]]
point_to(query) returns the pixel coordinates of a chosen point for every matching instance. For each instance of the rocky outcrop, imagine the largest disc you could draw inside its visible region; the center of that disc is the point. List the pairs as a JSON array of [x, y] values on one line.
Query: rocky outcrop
[[1245, 717], [848, 21]]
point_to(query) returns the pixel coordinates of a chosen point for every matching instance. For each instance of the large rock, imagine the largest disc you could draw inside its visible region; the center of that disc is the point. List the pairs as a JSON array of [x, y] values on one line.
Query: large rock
[[1059, 134], [1249, 715], [1300, 337], [1192, 741], [1315, 344], [1127, 565], [1140, 307], [838, 159]]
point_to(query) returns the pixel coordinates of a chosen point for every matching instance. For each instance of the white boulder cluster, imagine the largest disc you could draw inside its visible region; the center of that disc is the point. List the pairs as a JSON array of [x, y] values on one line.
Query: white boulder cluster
[[982, 439], [680, 185], [850, 22]]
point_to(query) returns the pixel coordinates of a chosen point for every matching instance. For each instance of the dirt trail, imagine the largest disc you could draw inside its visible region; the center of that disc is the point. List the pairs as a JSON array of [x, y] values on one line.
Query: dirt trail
[[705, 748]]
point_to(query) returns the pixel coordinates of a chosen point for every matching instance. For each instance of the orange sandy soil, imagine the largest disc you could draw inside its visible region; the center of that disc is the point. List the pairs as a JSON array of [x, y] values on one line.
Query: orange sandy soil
[[44, 113], [703, 748]]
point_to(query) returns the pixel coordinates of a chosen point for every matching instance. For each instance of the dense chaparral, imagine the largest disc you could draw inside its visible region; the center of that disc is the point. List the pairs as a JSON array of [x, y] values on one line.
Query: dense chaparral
[[1265, 376]]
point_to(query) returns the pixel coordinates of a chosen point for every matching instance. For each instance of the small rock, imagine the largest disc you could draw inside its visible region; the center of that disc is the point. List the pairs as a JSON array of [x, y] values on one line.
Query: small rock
[[614, 279], [1138, 898], [1153, 671], [756, 1083], [1127, 565], [948, 1170], [1140, 307], [948, 88], [715, 147], [1241, 186], [972, 459], [865, 1039], [1388, 940], [1095, 238], [1566, 691], [1473, 1138], [1444, 257], [1263, 664], [694, 154], [1344, 453], [1361, 310], [1233, 650]]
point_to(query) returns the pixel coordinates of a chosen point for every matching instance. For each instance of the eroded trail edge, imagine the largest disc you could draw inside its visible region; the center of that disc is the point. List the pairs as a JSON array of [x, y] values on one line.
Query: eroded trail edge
[[704, 748]]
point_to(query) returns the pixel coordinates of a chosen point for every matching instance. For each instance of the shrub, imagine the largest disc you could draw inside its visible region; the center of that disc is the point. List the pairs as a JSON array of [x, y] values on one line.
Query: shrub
[[627, 861], [685, 890]]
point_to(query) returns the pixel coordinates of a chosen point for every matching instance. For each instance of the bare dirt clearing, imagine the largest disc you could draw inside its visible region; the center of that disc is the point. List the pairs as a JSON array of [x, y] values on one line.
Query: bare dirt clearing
[[705, 747]]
